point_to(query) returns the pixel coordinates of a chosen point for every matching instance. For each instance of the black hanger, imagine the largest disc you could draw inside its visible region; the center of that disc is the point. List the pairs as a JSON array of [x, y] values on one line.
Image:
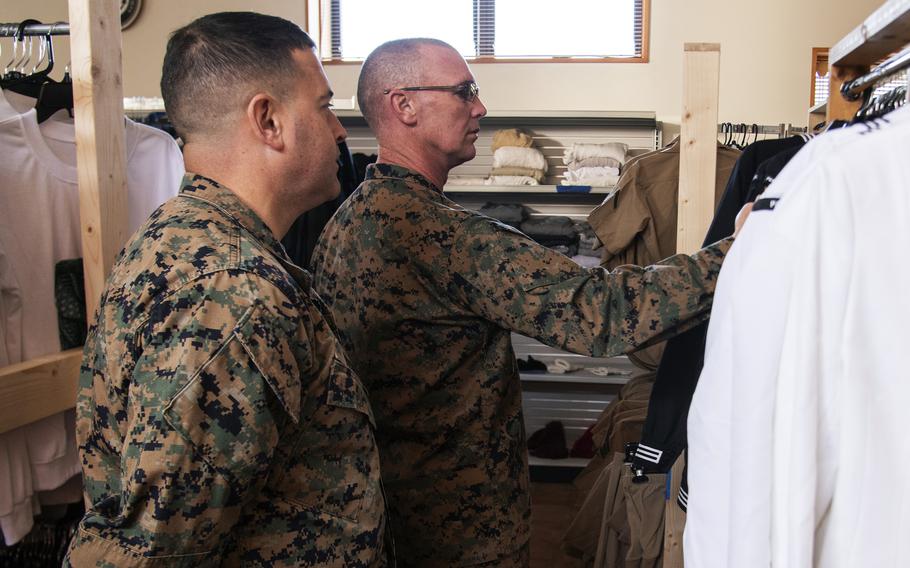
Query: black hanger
[[55, 96], [29, 84]]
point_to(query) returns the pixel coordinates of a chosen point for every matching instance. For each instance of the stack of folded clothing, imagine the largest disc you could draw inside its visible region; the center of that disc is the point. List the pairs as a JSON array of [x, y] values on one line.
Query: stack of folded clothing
[[557, 233], [588, 243], [512, 214], [596, 165], [466, 180], [515, 162]]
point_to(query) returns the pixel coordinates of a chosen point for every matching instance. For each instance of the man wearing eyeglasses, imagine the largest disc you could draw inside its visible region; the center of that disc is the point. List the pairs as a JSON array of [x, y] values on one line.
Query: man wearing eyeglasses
[[425, 294]]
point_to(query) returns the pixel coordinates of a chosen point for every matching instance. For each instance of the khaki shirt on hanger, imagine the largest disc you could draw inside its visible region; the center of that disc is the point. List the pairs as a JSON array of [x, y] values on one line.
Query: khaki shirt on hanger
[[425, 294], [637, 222], [217, 418]]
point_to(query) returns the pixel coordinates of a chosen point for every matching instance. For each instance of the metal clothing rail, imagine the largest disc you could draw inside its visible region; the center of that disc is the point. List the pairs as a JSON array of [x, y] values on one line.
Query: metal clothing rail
[[741, 128], [853, 90], [18, 30]]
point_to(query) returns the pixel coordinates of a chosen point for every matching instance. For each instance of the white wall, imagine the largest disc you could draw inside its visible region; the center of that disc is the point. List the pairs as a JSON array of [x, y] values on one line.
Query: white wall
[[766, 47]]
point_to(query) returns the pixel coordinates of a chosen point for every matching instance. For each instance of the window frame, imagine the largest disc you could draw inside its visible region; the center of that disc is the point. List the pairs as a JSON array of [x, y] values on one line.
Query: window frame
[[645, 56]]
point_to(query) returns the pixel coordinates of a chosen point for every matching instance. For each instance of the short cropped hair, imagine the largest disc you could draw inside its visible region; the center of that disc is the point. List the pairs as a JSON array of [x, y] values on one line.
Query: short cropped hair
[[392, 64], [216, 62]]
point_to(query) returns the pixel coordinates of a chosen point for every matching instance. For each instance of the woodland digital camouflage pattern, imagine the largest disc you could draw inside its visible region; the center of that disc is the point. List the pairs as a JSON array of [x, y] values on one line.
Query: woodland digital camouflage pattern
[[425, 294], [218, 421]]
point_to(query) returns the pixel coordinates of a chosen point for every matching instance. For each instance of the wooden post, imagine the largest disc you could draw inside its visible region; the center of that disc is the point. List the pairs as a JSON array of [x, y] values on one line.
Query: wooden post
[[101, 154], [698, 144], [840, 108]]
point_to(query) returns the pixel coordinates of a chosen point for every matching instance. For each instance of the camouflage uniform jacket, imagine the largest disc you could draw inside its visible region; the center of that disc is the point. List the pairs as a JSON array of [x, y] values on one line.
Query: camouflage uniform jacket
[[425, 294], [218, 421]]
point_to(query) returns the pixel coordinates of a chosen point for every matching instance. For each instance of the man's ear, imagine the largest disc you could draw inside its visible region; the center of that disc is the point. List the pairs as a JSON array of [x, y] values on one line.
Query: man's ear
[[404, 107], [265, 121]]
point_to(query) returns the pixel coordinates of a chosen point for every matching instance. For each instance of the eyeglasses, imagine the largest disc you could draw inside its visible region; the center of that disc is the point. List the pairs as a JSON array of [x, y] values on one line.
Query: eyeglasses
[[466, 91]]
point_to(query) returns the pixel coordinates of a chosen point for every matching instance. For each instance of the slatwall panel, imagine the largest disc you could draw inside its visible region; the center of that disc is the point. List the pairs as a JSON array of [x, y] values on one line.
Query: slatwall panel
[[576, 411], [544, 400]]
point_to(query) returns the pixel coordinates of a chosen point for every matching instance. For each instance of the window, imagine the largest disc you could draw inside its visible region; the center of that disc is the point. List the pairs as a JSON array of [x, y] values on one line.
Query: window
[[485, 30]]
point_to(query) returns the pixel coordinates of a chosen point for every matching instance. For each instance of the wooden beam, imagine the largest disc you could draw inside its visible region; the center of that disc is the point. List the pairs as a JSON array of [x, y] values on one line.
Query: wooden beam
[[38, 388], [101, 153], [698, 144], [882, 33]]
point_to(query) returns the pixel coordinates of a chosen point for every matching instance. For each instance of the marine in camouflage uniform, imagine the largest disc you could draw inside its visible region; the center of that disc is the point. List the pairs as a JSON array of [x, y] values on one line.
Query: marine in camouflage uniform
[[218, 420], [425, 294]]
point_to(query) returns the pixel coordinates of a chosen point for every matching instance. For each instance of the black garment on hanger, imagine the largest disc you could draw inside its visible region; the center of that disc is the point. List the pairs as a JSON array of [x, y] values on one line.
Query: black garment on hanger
[[664, 432], [768, 170], [737, 190], [301, 239]]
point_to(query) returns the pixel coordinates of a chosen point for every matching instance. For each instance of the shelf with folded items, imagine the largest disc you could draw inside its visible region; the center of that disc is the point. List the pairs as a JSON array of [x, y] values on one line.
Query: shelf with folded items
[[583, 376], [518, 189]]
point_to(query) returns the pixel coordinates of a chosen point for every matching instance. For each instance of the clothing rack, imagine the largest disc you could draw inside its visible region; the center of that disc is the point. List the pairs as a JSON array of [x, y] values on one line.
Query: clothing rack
[[883, 33], [780, 130], [853, 90], [20, 31], [36, 389]]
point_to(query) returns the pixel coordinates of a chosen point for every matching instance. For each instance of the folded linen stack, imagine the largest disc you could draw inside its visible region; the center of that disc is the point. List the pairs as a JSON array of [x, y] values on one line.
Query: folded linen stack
[[515, 161], [588, 256], [596, 165]]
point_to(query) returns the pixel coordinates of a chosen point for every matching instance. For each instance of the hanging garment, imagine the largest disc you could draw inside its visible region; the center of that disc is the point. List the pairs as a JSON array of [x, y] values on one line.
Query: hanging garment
[[768, 171], [741, 178], [300, 240], [664, 435], [39, 226], [798, 452], [637, 222]]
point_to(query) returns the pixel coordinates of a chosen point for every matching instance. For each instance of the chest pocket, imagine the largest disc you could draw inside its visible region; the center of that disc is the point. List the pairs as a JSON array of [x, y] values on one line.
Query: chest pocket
[[346, 391]]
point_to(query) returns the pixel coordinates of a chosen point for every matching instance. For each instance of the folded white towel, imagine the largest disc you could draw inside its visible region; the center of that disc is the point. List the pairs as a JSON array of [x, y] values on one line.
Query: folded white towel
[[578, 152], [581, 173], [515, 157], [466, 181], [600, 181], [512, 180], [594, 163]]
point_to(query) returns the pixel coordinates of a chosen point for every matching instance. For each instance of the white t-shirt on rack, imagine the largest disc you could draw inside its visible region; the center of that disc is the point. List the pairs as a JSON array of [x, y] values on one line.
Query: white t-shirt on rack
[[39, 226], [795, 436]]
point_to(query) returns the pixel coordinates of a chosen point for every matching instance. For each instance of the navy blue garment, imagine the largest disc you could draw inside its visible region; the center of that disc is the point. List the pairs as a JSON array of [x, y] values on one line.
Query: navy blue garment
[[664, 431], [301, 239]]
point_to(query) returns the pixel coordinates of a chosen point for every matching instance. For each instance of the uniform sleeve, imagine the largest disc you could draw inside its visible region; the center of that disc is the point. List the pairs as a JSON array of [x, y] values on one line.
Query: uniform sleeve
[[506, 277], [208, 399]]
